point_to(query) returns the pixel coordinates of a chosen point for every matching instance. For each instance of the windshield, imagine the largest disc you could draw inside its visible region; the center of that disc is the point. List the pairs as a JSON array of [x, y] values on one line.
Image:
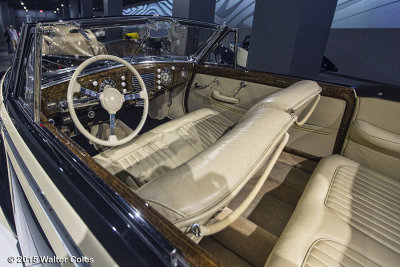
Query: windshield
[[66, 45]]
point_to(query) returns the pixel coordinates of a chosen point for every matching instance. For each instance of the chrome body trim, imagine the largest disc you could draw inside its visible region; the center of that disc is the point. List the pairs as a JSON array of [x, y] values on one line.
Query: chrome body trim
[[236, 47], [69, 244]]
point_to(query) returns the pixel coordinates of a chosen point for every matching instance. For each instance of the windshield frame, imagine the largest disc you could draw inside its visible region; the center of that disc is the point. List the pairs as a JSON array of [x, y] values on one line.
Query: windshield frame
[[118, 21]]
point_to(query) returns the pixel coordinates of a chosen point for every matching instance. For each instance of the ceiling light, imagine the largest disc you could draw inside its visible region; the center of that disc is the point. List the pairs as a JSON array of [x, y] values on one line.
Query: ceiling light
[[24, 7], [62, 5], [22, 3], [26, 10], [58, 9], [55, 11]]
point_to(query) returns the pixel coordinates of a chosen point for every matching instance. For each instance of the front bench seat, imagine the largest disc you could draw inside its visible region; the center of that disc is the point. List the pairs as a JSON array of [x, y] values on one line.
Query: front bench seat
[[348, 215], [165, 147], [188, 169], [191, 168]]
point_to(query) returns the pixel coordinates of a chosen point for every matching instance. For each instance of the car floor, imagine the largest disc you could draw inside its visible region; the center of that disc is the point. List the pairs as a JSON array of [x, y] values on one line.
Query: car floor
[[250, 239]]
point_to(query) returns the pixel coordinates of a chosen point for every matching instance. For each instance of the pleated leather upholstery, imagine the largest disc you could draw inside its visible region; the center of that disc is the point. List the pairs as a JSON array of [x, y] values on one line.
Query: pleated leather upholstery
[[348, 215], [368, 202], [331, 253], [161, 150]]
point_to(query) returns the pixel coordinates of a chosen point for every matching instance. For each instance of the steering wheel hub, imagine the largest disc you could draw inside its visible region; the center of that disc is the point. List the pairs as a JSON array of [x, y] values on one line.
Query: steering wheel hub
[[111, 100]]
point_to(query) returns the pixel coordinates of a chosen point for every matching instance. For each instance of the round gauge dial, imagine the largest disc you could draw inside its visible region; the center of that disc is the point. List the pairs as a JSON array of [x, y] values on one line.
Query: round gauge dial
[[107, 83], [184, 73], [166, 76]]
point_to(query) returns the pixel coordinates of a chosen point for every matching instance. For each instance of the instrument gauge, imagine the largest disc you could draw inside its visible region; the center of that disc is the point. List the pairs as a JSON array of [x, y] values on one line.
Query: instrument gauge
[[166, 77], [184, 73], [107, 83]]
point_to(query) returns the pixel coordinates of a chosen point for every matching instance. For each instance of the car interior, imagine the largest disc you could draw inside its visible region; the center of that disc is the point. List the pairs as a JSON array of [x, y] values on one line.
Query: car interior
[[256, 168]]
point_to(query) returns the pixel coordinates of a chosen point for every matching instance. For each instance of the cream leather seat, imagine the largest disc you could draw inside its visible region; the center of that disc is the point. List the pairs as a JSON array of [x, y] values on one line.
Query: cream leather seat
[[348, 215], [164, 148], [191, 168]]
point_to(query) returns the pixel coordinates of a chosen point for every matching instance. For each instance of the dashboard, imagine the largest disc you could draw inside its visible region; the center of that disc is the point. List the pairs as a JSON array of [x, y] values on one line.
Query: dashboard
[[157, 77]]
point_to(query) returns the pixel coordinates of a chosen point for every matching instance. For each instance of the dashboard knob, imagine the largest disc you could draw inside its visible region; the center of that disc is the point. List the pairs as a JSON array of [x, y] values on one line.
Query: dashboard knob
[[173, 68], [159, 87], [158, 81], [158, 70], [95, 83], [124, 91], [123, 77], [91, 114], [158, 76], [123, 84]]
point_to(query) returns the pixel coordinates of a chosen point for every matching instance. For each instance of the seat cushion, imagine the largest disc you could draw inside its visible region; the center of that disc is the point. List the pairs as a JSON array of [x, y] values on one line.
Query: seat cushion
[[348, 215], [164, 148]]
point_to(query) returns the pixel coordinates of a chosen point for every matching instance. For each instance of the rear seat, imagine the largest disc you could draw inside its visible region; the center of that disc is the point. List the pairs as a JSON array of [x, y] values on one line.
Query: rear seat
[[348, 215]]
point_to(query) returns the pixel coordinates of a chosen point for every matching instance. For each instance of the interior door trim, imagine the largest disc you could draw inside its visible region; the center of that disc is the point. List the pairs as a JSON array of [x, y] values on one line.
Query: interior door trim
[[329, 90]]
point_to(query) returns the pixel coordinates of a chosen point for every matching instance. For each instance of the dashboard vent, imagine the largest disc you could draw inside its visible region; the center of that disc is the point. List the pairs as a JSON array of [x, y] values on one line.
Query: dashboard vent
[[148, 79]]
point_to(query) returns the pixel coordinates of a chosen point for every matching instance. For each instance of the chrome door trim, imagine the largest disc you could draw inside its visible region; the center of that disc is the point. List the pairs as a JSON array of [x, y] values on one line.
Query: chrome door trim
[[66, 239]]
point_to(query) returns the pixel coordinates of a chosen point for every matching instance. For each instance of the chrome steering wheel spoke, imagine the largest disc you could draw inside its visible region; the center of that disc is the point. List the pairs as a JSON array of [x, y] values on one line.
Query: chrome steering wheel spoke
[[132, 96], [89, 92], [112, 124]]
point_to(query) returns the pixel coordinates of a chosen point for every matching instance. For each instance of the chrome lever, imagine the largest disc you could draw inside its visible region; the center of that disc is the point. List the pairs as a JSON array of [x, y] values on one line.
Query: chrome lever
[[197, 85], [243, 84], [139, 103]]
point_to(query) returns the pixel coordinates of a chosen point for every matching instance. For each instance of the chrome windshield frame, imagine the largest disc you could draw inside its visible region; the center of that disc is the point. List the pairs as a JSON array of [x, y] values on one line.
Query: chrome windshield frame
[[110, 22]]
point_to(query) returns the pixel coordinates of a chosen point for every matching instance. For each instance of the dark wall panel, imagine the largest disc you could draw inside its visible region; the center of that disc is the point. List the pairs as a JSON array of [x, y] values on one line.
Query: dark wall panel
[[372, 54]]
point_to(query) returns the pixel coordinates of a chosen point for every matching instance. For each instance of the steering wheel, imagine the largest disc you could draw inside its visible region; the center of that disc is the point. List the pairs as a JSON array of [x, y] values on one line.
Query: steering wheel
[[111, 100]]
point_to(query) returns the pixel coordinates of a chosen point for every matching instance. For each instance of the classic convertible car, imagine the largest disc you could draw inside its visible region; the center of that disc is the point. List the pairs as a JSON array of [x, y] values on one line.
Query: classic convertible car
[[112, 154]]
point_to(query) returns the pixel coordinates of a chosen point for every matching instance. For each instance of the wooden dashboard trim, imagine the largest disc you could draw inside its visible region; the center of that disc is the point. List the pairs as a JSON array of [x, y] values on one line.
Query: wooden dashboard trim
[[282, 81], [57, 92]]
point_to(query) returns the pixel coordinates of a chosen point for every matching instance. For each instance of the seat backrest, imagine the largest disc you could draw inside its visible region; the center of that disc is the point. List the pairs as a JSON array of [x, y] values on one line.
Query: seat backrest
[[199, 188], [294, 99]]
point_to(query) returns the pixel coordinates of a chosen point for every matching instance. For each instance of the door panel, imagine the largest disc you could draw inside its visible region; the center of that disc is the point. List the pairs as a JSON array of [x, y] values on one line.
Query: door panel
[[374, 135], [200, 97], [318, 137]]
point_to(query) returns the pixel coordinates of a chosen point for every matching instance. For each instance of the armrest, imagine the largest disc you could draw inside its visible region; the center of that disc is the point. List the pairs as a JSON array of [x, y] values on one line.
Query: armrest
[[370, 134], [231, 100]]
